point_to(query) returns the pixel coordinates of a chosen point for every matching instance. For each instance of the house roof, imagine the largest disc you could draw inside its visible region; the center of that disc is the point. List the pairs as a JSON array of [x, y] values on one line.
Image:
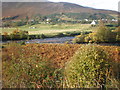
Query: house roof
[[93, 22]]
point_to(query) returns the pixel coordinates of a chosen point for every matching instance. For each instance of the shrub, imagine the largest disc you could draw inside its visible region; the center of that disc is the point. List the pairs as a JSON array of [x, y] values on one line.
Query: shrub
[[5, 36], [5, 33], [100, 35], [88, 68], [37, 36], [23, 34], [42, 36], [19, 23], [60, 35], [79, 39], [89, 37], [22, 42], [11, 36], [104, 34], [18, 34], [7, 24], [118, 34]]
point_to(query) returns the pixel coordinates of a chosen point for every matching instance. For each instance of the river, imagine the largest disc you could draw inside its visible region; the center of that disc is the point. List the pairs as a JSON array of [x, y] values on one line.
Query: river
[[58, 40], [46, 40]]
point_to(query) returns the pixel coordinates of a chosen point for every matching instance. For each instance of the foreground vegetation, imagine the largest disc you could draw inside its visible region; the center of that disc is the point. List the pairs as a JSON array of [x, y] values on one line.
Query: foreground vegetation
[[89, 67], [52, 65]]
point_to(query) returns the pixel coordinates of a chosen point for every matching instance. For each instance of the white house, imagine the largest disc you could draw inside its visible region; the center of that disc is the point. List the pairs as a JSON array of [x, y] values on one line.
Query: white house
[[114, 20], [32, 27], [93, 23], [48, 20]]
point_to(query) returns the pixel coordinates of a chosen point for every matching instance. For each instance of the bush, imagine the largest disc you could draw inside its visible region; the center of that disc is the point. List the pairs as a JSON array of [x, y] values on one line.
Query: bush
[[6, 24], [118, 34], [103, 34], [100, 35], [19, 23], [17, 34], [42, 36], [92, 37], [89, 68], [60, 35], [22, 42], [79, 39]]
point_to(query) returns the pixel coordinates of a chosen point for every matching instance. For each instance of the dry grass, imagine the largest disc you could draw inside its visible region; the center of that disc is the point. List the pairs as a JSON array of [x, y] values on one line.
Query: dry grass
[[58, 53], [46, 28], [18, 59]]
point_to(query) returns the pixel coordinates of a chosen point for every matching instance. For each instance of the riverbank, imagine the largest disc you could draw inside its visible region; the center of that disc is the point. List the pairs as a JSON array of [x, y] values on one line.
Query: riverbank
[[39, 36], [56, 40]]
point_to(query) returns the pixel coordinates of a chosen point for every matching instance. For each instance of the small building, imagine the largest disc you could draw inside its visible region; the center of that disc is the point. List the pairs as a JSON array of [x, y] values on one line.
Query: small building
[[32, 27], [48, 20], [86, 19], [114, 20]]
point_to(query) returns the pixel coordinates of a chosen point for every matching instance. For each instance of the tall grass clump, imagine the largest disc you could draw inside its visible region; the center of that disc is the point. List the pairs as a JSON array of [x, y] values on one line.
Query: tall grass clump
[[90, 67]]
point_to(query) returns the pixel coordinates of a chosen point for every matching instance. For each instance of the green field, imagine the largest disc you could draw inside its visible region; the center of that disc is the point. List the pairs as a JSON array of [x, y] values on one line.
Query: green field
[[47, 28]]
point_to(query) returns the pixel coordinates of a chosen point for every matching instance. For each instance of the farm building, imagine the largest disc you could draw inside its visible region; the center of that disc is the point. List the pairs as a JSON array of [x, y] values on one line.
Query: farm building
[[93, 23]]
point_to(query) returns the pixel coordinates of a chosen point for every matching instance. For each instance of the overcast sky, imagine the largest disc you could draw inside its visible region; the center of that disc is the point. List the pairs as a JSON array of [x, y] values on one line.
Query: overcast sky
[[99, 4]]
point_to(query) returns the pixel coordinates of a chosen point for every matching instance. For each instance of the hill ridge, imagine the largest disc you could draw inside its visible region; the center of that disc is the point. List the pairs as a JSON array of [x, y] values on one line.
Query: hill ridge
[[46, 8]]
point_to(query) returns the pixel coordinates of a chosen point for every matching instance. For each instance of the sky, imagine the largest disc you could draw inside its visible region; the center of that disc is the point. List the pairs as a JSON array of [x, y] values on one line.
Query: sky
[[98, 4]]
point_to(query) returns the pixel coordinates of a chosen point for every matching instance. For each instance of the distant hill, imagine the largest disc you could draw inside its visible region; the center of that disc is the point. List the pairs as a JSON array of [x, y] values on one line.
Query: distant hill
[[23, 9]]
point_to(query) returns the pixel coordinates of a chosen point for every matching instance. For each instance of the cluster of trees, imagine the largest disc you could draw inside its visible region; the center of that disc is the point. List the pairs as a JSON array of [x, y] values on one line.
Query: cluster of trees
[[79, 17], [26, 21], [10, 17], [54, 19], [15, 35], [21, 35], [14, 23], [101, 34], [83, 16]]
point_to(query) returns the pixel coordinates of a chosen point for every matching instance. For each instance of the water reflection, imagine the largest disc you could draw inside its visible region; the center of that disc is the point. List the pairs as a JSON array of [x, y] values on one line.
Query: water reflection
[[46, 40]]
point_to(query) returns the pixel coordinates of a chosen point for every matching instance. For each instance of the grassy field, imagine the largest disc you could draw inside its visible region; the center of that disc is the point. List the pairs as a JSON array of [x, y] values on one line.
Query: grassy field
[[47, 29]]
